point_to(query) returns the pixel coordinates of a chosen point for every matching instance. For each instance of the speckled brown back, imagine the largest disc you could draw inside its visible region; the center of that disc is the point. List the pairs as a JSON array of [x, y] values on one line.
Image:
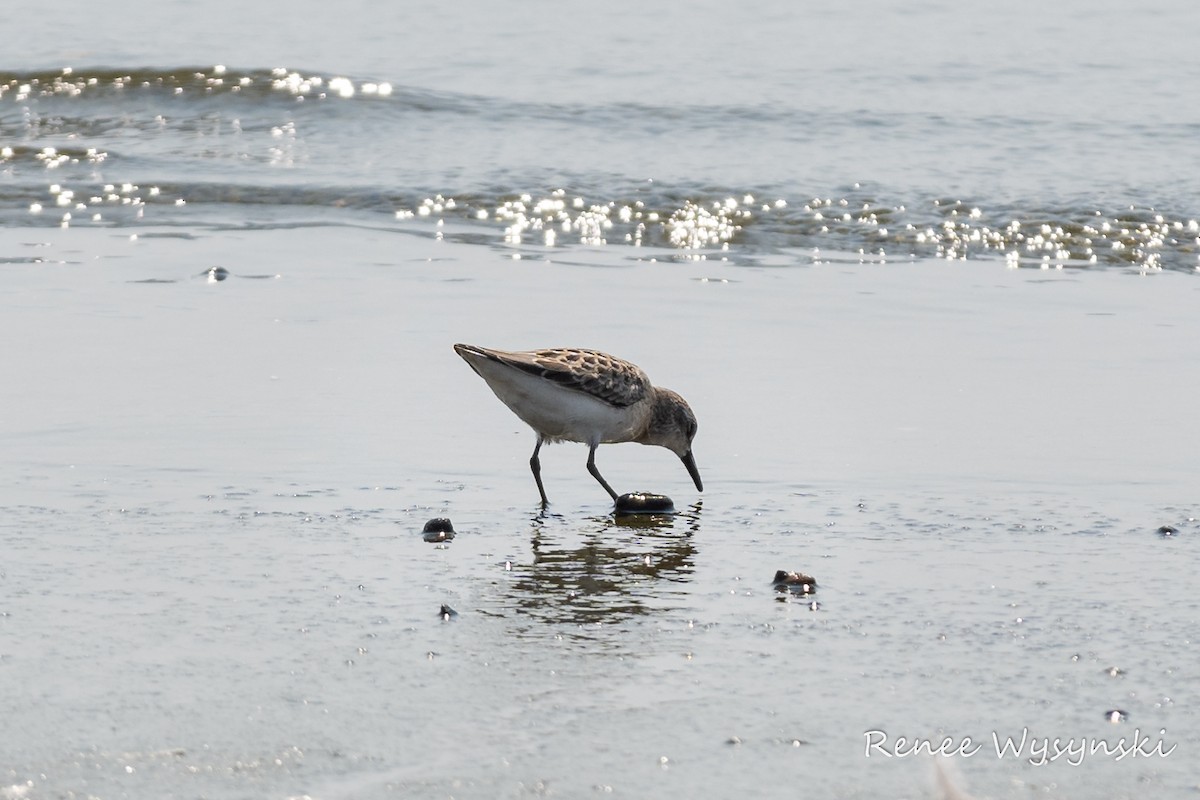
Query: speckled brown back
[[604, 377]]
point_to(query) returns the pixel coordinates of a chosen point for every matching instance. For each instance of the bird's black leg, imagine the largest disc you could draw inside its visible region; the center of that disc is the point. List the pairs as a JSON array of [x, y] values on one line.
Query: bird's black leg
[[596, 473], [536, 465]]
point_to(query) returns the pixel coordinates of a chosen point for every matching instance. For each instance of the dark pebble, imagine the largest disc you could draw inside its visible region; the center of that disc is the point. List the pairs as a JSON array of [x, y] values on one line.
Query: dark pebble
[[644, 503], [795, 581], [447, 613], [216, 273], [438, 529], [1167, 530]]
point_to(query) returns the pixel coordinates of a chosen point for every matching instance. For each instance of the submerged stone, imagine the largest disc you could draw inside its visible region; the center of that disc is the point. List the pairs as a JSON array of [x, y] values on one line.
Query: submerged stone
[[644, 503], [438, 529]]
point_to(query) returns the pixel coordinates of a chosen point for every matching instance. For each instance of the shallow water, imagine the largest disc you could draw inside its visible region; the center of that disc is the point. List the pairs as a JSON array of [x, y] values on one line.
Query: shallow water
[[217, 582], [927, 277]]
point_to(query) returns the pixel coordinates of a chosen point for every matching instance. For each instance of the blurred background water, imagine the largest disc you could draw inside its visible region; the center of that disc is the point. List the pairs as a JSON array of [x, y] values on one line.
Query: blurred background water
[[1059, 135]]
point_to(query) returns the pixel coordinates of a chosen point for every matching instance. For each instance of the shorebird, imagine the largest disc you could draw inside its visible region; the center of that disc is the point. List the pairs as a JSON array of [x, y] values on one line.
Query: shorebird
[[572, 395]]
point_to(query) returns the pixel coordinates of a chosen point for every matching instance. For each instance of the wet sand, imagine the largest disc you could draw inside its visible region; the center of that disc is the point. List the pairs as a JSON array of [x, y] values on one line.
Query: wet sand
[[216, 581]]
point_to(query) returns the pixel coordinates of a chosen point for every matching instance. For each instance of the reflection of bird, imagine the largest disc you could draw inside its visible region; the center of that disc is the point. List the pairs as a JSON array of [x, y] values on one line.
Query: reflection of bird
[[586, 396]]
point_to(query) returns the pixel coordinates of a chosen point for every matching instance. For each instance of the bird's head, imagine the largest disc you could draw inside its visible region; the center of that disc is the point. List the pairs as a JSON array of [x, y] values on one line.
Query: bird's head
[[673, 426]]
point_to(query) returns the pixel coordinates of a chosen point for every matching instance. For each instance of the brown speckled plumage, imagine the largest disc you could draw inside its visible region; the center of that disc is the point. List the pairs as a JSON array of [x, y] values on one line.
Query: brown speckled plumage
[[604, 377]]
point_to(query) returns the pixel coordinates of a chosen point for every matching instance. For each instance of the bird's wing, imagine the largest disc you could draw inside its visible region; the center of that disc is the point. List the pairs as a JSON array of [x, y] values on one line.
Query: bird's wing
[[600, 375]]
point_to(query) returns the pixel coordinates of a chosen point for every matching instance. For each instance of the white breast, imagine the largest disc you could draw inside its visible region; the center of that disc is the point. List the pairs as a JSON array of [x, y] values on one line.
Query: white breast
[[559, 413]]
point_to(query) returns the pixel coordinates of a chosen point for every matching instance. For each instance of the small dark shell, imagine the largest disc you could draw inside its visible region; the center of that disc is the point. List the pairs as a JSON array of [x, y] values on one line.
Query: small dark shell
[[795, 581], [644, 503]]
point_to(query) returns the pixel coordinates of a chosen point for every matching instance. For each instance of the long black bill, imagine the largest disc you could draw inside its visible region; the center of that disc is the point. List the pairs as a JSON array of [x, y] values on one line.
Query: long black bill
[[690, 463]]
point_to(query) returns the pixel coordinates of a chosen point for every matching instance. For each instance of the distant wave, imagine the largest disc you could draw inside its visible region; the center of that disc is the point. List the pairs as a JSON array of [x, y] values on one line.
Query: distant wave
[[223, 147], [105, 82]]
